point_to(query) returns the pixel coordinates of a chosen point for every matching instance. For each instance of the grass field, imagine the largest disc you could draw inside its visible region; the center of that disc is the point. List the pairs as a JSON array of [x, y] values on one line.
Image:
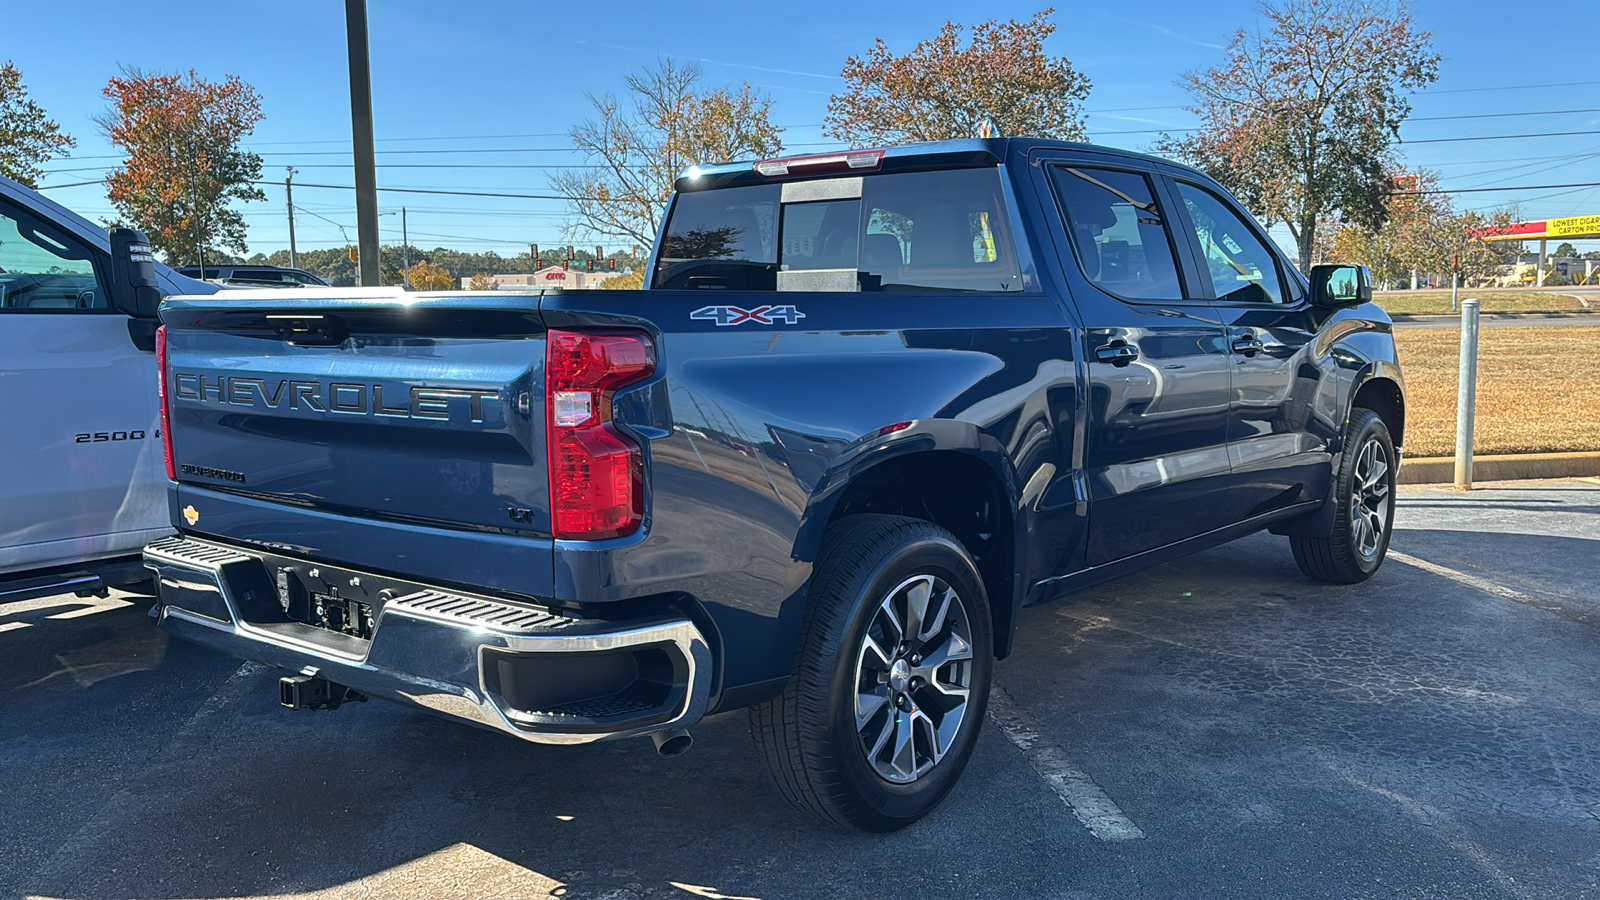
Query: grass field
[[1538, 390], [1421, 303]]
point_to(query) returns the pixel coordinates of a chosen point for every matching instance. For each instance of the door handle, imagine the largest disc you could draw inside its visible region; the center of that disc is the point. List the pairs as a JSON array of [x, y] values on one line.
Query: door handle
[[1249, 346], [1117, 353]]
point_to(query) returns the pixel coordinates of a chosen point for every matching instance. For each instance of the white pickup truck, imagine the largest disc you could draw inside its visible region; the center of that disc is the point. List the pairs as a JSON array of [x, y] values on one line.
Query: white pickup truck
[[82, 487]]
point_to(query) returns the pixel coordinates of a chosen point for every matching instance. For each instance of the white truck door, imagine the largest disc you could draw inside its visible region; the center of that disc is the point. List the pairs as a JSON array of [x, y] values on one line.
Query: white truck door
[[80, 454]]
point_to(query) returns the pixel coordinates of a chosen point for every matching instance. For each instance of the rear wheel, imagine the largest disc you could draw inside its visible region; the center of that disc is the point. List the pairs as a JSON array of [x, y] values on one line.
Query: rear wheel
[[883, 708], [1364, 515]]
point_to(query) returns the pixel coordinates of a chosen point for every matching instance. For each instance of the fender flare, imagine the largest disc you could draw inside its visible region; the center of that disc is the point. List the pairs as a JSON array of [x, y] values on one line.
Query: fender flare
[[1319, 522], [915, 438]]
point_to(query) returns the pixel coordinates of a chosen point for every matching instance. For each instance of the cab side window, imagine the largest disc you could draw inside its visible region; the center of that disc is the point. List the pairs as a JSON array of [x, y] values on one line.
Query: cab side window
[[1242, 269], [43, 269], [1118, 232]]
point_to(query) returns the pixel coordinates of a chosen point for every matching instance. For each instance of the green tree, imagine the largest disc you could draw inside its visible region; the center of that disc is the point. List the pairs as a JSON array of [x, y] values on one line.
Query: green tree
[[1565, 250], [28, 137], [943, 89], [639, 147], [1302, 117]]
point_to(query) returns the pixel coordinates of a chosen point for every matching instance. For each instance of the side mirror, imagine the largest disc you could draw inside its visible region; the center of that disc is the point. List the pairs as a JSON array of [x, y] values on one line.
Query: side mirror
[[1340, 285], [135, 292]]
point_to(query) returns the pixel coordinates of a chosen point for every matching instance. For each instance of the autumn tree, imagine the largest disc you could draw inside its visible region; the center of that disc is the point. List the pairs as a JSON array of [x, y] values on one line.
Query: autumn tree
[[1302, 117], [639, 145], [184, 164], [482, 281], [944, 88], [1422, 231], [28, 137], [632, 281], [427, 276]]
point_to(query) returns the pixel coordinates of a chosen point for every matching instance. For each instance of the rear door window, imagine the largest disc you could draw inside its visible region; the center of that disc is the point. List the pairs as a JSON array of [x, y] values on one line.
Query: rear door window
[[909, 231], [1118, 232]]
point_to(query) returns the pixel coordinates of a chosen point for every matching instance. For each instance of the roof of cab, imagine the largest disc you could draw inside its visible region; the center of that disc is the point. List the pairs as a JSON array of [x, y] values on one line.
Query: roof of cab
[[967, 151]]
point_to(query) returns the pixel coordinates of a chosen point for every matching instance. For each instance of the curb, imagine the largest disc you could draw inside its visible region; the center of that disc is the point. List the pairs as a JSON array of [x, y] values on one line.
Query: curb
[[1510, 316], [1507, 467]]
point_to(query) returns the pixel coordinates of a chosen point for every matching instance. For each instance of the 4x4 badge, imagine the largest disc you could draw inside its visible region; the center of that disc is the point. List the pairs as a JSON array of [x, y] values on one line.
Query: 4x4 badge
[[761, 315]]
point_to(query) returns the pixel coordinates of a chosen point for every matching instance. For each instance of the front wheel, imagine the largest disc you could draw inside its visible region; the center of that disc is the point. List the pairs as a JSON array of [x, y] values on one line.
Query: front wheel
[[1364, 515], [892, 678]]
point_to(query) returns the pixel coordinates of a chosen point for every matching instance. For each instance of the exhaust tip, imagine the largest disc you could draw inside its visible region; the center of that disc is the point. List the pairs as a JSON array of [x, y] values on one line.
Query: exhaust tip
[[671, 743]]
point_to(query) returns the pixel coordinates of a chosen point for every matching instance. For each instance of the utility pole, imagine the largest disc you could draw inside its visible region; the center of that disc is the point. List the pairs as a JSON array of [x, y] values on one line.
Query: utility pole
[[355, 21], [405, 245], [288, 194]]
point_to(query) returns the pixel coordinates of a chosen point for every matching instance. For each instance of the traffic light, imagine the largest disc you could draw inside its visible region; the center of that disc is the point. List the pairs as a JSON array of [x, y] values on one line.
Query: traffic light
[[590, 264], [535, 250], [611, 264], [566, 264]]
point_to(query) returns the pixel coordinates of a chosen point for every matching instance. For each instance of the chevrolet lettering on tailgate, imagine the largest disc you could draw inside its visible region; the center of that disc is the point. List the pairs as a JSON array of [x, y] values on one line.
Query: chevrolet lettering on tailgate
[[350, 398]]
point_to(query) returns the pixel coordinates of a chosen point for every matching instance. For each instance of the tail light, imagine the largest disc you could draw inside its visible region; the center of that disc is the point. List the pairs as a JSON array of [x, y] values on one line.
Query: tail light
[[596, 471], [161, 394]]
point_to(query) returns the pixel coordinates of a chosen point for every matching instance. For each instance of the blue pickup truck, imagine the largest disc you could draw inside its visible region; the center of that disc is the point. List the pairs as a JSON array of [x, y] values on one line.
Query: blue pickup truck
[[869, 405]]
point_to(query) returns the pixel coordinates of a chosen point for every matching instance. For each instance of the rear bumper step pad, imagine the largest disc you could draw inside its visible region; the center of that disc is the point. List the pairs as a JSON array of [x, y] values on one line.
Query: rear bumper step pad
[[486, 661]]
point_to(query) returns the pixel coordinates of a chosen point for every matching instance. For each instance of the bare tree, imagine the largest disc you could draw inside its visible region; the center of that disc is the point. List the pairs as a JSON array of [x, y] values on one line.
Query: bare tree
[[641, 143]]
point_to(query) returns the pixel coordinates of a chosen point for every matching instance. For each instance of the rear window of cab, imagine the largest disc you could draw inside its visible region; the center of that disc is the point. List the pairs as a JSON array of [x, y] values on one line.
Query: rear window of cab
[[908, 231]]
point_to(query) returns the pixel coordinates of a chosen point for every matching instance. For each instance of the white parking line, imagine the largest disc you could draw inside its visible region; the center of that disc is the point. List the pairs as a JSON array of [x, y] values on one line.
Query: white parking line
[[1077, 790], [1482, 584]]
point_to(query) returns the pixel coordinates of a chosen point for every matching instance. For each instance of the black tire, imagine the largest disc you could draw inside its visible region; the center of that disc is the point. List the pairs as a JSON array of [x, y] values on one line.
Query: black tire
[[809, 735], [1363, 517]]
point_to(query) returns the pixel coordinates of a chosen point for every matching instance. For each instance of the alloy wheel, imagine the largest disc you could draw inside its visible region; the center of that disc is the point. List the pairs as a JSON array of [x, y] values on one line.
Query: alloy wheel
[[913, 678], [1370, 499]]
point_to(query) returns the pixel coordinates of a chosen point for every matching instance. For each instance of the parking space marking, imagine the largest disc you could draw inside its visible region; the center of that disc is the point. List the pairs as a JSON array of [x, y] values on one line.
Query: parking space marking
[[88, 606], [1489, 587], [130, 801], [1097, 812]]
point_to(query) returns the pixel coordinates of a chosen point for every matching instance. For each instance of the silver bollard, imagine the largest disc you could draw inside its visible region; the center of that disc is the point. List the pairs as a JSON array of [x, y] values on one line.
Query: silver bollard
[[1466, 392]]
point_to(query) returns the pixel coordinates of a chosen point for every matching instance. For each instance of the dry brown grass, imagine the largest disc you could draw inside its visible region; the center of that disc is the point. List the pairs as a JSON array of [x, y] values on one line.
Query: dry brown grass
[[1538, 389], [1421, 303]]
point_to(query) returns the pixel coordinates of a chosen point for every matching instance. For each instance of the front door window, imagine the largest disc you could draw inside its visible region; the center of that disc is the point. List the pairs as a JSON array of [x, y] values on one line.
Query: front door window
[[43, 269]]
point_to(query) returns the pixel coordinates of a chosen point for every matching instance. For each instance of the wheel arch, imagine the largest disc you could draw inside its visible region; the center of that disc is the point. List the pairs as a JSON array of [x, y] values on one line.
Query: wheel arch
[[965, 487], [1382, 393]]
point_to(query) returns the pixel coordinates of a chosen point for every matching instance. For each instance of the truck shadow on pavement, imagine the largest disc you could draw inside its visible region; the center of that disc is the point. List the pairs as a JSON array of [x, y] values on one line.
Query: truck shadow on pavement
[[1215, 698]]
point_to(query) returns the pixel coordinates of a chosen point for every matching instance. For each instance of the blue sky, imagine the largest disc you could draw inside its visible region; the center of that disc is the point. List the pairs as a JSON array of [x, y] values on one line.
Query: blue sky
[[446, 75]]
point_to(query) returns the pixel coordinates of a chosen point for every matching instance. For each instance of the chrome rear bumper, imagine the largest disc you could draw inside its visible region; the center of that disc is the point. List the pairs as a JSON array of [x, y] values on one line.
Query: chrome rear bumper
[[473, 658]]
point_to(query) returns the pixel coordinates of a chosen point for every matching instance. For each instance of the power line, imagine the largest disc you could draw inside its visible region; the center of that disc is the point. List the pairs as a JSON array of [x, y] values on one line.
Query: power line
[[1548, 112], [399, 190], [1499, 137], [1509, 187]]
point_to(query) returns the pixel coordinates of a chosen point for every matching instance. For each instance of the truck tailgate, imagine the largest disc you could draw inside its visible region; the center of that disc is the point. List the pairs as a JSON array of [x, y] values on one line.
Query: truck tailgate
[[406, 434]]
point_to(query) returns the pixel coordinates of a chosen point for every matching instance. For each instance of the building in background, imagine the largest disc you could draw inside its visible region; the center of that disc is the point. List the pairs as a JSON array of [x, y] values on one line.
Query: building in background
[[551, 277]]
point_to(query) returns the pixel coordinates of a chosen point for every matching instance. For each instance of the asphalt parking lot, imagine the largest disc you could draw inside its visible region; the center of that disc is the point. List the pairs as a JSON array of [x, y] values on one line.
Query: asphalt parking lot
[[1217, 727]]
